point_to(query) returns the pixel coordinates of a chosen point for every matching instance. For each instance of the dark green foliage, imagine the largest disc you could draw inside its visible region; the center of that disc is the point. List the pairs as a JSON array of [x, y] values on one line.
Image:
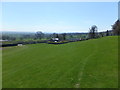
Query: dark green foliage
[[6, 37], [39, 35], [107, 33], [116, 28], [101, 34], [64, 36]]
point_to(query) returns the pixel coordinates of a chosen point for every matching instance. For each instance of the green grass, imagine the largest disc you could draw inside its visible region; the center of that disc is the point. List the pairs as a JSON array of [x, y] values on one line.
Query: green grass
[[0, 69], [85, 64]]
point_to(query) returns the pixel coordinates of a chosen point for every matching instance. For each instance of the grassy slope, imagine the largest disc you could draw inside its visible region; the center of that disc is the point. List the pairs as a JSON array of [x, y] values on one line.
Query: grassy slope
[[86, 64], [0, 69]]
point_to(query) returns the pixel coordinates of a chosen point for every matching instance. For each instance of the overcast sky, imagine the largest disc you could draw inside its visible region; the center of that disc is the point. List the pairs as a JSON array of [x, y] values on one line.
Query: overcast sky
[[58, 16]]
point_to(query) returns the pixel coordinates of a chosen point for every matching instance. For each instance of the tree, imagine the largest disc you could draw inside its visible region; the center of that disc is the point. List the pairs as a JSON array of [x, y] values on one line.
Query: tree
[[21, 38], [64, 36], [107, 33], [71, 36], [116, 28], [5, 37], [93, 32], [39, 35], [101, 34], [60, 37], [13, 38], [26, 36], [55, 35]]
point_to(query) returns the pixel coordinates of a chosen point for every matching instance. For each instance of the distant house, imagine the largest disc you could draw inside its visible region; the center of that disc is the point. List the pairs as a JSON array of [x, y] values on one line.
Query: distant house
[[3, 40], [55, 39], [20, 45]]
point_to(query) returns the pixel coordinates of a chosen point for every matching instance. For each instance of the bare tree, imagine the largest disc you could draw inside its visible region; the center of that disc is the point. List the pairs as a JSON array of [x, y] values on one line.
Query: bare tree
[[93, 32]]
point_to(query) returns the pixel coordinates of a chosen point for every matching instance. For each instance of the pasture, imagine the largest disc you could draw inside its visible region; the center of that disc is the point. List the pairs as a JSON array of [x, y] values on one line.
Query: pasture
[[84, 64]]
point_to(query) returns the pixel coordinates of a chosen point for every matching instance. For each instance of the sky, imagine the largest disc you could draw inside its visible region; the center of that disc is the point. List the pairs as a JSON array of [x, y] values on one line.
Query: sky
[[58, 17]]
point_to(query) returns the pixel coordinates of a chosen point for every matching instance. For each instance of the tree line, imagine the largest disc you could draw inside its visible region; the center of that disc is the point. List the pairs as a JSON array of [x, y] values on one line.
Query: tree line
[[93, 33]]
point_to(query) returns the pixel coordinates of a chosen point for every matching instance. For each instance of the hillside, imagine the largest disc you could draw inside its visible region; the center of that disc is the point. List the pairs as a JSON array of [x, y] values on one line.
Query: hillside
[[83, 64]]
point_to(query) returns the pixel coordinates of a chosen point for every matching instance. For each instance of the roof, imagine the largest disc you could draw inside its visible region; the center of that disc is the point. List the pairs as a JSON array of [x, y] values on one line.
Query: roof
[[55, 38]]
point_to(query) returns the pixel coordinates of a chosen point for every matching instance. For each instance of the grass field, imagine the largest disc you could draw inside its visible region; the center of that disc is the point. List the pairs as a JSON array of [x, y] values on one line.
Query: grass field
[[85, 64]]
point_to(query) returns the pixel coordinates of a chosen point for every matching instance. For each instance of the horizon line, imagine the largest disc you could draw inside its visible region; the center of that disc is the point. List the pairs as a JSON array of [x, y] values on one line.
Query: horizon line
[[49, 32]]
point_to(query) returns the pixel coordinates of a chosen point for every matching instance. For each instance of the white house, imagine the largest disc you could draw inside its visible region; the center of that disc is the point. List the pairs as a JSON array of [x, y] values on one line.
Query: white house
[[19, 44], [3, 40], [55, 39]]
